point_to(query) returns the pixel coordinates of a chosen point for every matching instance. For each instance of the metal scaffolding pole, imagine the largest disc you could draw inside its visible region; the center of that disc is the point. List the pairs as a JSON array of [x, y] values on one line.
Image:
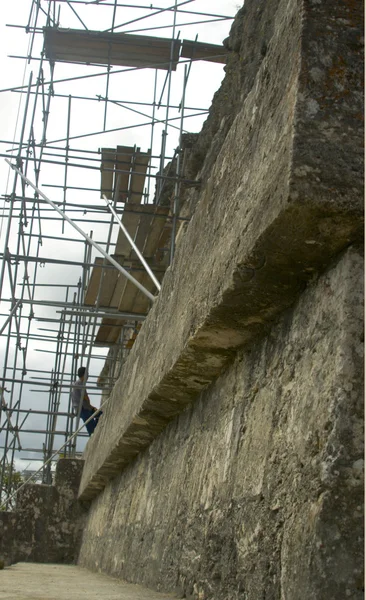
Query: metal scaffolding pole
[[99, 248], [5, 263], [35, 256], [178, 167]]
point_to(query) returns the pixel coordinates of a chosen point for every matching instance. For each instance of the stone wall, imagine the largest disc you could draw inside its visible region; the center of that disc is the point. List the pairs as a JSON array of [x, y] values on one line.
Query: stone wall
[[47, 522], [256, 490], [248, 43], [283, 198], [227, 464]]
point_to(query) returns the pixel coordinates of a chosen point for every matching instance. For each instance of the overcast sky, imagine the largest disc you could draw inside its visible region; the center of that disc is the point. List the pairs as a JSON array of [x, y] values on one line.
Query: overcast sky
[[86, 117]]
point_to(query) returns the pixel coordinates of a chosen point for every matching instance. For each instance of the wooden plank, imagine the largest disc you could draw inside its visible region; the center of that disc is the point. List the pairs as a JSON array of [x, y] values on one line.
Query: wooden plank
[[140, 301], [131, 296], [156, 229], [85, 56], [109, 48], [202, 51], [109, 282], [120, 286], [108, 331], [93, 285], [118, 291], [134, 267], [113, 335], [123, 163], [129, 293], [115, 159], [130, 220], [93, 38], [106, 180], [149, 231], [138, 176], [143, 229], [113, 45], [133, 299]]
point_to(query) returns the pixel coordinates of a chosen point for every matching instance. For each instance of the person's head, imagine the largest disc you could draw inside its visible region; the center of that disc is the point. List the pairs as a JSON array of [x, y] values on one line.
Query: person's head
[[82, 373]]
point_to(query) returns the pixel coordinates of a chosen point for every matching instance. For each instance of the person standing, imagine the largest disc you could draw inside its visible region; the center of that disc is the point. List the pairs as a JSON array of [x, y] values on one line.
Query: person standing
[[79, 396]]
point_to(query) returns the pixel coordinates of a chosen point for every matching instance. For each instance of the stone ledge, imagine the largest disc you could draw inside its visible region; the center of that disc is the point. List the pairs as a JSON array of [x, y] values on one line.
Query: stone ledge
[[280, 204]]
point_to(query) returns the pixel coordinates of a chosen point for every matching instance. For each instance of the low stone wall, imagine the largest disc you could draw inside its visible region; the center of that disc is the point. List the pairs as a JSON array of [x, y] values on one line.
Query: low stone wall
[[47, 522], [256, 490]]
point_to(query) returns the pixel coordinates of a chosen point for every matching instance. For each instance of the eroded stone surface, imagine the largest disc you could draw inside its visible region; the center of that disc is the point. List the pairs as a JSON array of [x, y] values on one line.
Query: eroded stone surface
[[283, 198], [256, 490], [46, 525]]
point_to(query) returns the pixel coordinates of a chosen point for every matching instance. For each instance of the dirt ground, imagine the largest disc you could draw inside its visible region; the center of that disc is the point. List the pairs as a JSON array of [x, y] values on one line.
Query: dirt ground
[[30, 581]]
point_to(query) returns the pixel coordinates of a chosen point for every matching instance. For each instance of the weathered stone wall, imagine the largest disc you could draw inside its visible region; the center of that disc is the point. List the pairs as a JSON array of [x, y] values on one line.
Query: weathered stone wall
[[227, 464], [330, 100], [256, 490], [248, 44], [284, 197], [47, 522]]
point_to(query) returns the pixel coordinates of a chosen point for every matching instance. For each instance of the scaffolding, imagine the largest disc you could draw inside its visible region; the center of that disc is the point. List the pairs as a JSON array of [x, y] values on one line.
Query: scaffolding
[[87, 232]]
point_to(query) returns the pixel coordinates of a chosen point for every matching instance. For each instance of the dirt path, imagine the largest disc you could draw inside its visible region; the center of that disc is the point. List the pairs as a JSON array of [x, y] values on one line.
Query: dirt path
[[30, 581]]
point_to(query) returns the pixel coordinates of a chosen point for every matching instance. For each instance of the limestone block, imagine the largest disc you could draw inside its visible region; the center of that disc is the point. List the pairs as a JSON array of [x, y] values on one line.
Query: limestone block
[[36, 498], [67, 476]]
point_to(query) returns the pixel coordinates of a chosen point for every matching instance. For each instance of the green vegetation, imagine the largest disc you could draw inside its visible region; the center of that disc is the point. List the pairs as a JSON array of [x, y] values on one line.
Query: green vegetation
[[12, 480]]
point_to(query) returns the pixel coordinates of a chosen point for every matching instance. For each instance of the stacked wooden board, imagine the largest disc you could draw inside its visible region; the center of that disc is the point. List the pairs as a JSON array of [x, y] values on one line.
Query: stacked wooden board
[[202, 51], [147, 225], [104, 48], [122, 49], [123, 173]]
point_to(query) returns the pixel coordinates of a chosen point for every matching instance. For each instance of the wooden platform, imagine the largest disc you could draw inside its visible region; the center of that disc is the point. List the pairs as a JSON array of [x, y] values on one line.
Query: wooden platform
[[203, 51], [123, 173], [146, 224], [122, 49]]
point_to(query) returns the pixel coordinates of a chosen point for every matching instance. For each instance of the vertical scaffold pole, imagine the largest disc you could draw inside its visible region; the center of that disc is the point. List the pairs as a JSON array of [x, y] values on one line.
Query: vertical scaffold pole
[[178, 165], [67, 148], [160, 182]]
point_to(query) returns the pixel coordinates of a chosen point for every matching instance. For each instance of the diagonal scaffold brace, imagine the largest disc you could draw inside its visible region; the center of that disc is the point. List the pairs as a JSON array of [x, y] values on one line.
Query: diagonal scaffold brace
[[129, 238], [88, 239]]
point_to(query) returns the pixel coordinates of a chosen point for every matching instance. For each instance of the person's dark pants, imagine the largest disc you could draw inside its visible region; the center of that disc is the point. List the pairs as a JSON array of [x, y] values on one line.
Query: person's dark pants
[[85, 414]]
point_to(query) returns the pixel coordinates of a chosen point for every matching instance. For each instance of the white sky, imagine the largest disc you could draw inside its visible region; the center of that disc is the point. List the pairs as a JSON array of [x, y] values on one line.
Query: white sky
[[87, 117]]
